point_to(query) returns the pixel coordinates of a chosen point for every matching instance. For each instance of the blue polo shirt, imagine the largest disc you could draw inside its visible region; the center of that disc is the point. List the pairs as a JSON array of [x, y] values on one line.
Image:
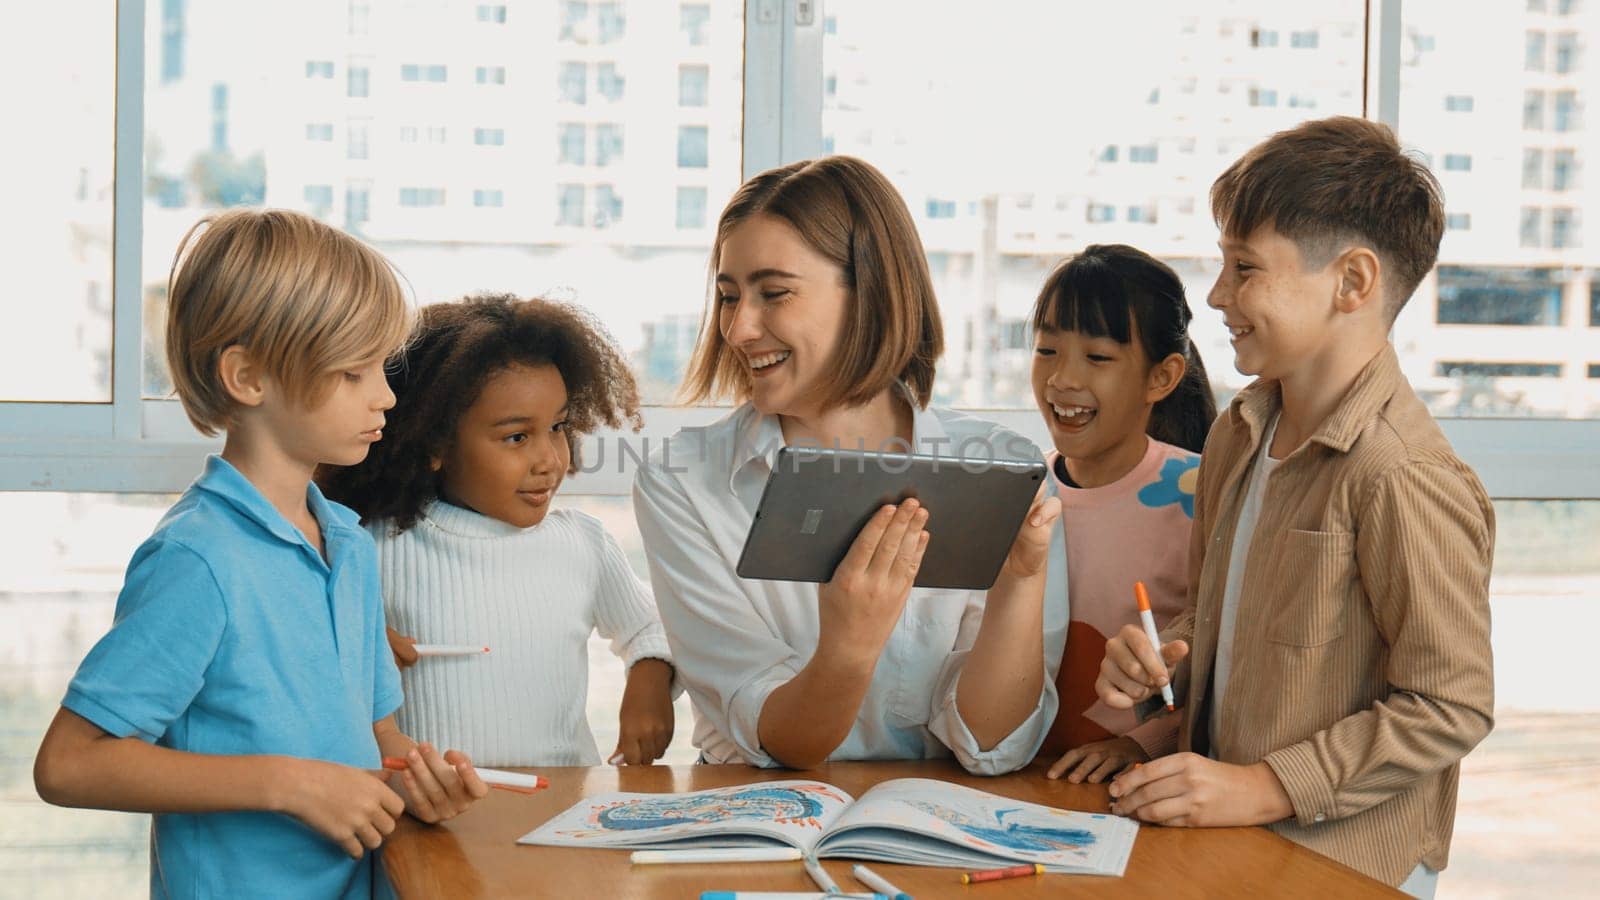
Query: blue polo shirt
[[234, 636]]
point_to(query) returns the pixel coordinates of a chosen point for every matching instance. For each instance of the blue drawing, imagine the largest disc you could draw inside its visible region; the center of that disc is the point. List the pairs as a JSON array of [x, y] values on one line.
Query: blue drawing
[[785, 805], [1178, 477], [1012, 835]]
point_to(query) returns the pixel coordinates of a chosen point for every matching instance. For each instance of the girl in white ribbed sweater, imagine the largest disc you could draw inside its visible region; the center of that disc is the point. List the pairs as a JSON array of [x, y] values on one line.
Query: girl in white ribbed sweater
[[491, 398]]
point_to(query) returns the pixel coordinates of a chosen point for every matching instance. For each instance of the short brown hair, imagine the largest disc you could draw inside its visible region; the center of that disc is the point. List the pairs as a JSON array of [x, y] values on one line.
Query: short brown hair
[[304, 298], [847, 211], [1332, 182]]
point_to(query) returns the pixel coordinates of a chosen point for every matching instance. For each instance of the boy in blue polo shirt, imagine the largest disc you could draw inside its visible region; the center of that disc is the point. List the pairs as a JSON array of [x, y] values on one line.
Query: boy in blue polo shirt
[[245, 693]]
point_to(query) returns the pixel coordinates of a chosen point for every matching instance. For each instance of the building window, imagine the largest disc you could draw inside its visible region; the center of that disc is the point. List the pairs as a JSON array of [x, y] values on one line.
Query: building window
[[1453, 369], [1458, 103], [1145, 213], [419, 196], [319, 68], [1533, 52], [219, 117], [1528, 229], [172, 29], [1563, 171], [1458, 162], [1302, 101], [358, 81], [1458, 222], [1108, 153], [574, 14], [693, 149], [491, 75], [573, 82], [488, 197], [694, 20], [607, 206], [1306, 40], [1533, 110], [941, 209], [569, 205], [613, 22], [608, 81], [691, 207], [1536, 5], [571, 137], [1261, 37], [319, 131], [1566, 52], [492, 13], [1564, 229], [607, 144], [1142, 154], [1263, 97], [319, 199], [356, 140], [1567, 117], [1594, 370], [1101, 212], [694, 84], [1594, 298], [357, 205], [1532, 167], [422, 72], [1473, 295], [489, 137]]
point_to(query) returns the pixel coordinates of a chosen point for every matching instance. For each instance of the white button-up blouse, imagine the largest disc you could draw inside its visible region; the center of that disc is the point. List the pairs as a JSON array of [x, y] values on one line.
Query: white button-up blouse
[[735, 640]]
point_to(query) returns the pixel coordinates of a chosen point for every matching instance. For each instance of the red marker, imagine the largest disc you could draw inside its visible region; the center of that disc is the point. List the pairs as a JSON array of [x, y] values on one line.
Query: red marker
[[998, 874], [499, 778]]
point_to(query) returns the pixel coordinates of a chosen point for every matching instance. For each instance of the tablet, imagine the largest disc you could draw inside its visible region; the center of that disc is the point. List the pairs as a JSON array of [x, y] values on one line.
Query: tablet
[[816, 502]]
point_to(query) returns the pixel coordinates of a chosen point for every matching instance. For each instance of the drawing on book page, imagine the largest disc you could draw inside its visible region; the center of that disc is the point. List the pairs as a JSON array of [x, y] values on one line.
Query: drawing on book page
[[1012, 829], [798, 804]]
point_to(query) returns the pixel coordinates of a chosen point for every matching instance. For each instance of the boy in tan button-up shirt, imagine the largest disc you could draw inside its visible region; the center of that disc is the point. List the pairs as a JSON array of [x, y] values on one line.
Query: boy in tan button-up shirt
[[1360, 670]]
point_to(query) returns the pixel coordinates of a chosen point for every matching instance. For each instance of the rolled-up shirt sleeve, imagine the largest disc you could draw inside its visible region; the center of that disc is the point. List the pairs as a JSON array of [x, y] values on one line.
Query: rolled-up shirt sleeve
[[726, 654]]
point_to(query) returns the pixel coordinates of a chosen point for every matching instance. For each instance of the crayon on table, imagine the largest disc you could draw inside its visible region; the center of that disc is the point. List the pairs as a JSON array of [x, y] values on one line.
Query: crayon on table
[[998, 874]]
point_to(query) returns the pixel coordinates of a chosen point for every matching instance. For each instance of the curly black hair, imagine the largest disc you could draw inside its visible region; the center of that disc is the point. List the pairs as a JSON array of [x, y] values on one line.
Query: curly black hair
[[455, 349]]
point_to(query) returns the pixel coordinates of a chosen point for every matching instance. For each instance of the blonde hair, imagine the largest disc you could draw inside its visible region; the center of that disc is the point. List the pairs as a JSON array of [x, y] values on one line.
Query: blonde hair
[[847, 211], [302, 297]]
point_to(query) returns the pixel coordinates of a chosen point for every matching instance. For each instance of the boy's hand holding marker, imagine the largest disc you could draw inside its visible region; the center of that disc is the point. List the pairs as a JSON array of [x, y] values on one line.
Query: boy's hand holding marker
[[436, 787]]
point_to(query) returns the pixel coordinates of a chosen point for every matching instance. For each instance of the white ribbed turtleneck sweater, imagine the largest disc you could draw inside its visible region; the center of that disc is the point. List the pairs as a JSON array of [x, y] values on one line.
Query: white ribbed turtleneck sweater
[[533, 596]]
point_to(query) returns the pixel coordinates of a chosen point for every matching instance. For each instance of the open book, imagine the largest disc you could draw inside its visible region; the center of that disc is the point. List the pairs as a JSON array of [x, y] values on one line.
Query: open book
[[914, 821]]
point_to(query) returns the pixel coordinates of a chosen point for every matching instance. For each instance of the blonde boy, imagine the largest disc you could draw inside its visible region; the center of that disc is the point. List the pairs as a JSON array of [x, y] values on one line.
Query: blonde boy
[[1341, 551], [245, 692]]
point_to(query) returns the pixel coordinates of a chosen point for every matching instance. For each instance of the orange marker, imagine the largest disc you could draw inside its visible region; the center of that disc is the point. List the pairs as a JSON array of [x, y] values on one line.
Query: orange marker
[[998, 874], [1149, 621], [505, 781]]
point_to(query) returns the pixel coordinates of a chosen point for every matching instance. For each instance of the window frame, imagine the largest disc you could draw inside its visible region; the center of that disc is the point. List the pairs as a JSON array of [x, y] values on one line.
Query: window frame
[[132, 444]]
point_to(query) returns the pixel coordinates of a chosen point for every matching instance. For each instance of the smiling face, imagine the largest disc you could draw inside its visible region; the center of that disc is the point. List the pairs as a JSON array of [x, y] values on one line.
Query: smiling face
[[781, 309], [1096, 395], [1278, 313], [510, 452]]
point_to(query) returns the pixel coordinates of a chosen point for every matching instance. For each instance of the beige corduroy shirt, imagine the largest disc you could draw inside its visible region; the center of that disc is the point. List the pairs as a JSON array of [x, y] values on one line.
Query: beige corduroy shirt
[[1361, 669]]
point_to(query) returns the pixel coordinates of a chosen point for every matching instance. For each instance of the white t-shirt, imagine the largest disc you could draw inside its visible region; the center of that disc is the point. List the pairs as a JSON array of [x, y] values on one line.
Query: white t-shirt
[[736, 640], [533, 596], [1240, 555]]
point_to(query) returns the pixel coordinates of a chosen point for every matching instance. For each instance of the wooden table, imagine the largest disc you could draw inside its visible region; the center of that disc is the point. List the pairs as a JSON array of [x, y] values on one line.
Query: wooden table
[[476, 854]]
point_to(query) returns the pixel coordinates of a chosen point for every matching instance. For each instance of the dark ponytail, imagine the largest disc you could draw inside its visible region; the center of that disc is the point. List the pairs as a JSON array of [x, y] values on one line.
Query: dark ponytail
[[1111, 290]]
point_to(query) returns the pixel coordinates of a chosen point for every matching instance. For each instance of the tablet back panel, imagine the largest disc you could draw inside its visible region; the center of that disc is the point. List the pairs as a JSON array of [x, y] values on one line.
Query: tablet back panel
[[816, 502]]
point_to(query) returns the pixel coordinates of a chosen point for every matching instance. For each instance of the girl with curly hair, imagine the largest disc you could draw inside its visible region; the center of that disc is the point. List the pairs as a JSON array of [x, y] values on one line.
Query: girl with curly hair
[[491, 398]]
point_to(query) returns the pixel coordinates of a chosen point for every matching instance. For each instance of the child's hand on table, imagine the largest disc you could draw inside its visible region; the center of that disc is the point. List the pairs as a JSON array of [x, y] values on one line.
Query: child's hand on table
[[645, 722], [1193, 790], [1098, 761]]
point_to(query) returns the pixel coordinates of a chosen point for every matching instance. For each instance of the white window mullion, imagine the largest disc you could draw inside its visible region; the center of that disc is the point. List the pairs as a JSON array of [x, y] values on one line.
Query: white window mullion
[[127, 277], [763, 85]]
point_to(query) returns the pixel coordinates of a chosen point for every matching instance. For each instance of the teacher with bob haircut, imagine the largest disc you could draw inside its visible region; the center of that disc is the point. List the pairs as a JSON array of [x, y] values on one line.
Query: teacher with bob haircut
[[824, 326]]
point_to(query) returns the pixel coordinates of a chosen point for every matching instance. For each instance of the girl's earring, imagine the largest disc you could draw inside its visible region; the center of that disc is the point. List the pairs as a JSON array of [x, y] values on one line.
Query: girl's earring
[[435, 464]]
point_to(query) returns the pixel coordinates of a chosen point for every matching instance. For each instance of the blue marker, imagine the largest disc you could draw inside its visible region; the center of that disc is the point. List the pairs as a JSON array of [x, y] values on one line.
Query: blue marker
[[878, 883]]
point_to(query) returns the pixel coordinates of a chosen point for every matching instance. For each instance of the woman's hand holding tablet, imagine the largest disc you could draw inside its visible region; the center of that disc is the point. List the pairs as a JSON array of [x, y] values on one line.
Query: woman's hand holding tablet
[[862, 603]]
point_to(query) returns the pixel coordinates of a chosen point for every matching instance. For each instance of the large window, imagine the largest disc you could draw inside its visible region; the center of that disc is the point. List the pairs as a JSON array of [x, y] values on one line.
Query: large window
[[60, 84]]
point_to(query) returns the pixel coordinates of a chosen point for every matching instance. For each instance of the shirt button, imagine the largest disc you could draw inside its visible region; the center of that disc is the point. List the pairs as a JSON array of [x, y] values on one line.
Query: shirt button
[[1320, 817]]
